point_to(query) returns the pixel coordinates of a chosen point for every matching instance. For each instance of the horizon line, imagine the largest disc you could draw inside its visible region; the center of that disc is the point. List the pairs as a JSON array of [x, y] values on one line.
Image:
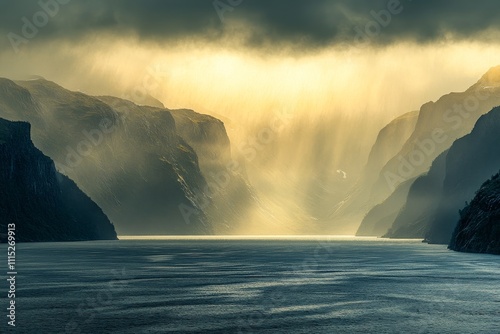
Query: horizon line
[[258, 237]]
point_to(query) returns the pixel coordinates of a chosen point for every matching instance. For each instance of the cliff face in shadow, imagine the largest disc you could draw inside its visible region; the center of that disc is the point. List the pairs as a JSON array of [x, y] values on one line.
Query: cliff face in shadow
[[43, 204], [406, 148], [152, 170], [210, 178], [417, 212], [143, 175], [439, 124], [434, 200], [471, 160], [232, 198], [478, 230]]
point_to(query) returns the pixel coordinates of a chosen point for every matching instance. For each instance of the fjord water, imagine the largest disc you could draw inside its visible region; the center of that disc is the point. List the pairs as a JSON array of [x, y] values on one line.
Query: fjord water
[[245, 285]]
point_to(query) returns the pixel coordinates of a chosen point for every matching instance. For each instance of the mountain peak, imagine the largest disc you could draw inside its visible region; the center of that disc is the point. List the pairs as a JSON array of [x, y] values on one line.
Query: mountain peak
[[491, 78]]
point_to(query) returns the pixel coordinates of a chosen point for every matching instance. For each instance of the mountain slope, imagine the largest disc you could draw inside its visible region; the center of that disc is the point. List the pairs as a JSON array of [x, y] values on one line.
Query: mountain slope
[[471, 160], [135, 166], [43, 204], [363, 196], [416, 216], [390, 141], [381, 217], [233, 199], [224, 196], [439, 124], [434, 200]]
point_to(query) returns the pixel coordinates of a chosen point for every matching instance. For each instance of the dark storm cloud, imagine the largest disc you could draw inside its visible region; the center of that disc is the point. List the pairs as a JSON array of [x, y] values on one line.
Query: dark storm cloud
[[316, 22]]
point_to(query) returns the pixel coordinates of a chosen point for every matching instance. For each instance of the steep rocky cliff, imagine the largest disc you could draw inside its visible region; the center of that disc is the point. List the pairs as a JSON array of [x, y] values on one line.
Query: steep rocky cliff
[[434, 200], [223, 195], [478, 230], [390, 141], [436, 126], [143, 175], [439, 124], [43, 204], [470, 160], [233, 199]]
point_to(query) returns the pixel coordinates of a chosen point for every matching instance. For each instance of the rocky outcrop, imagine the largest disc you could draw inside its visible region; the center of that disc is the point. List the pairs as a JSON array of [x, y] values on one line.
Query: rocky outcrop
[[43, 204], [478, 230]]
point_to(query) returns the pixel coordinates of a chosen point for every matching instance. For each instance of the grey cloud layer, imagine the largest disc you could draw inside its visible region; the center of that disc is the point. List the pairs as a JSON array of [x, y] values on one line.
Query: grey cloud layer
[[314, 22]]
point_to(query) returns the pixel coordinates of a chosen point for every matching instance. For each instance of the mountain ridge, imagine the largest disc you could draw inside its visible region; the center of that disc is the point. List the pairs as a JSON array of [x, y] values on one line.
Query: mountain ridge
[[438, 125], [117, 158]]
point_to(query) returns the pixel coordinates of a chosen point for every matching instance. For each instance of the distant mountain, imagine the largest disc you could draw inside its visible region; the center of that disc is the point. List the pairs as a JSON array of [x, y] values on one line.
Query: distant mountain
[[363, 196], [135, 166], [234, 198], [135, 161], [390, 141], [419, 207], [432, 208], [43, 204], [226, 195], [379, 219], [478, 229], [437, 126]]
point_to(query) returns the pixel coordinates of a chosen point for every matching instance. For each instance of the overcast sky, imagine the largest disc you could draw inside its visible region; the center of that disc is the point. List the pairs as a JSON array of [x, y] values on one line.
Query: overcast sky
[[245, 57], [314, 23]]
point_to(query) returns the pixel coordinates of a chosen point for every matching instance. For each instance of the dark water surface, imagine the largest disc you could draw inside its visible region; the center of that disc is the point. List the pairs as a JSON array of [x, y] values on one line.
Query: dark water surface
[[254, 286]]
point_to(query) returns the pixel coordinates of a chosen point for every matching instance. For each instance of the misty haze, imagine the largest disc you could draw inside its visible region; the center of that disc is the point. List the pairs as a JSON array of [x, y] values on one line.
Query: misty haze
[[250, 166]]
